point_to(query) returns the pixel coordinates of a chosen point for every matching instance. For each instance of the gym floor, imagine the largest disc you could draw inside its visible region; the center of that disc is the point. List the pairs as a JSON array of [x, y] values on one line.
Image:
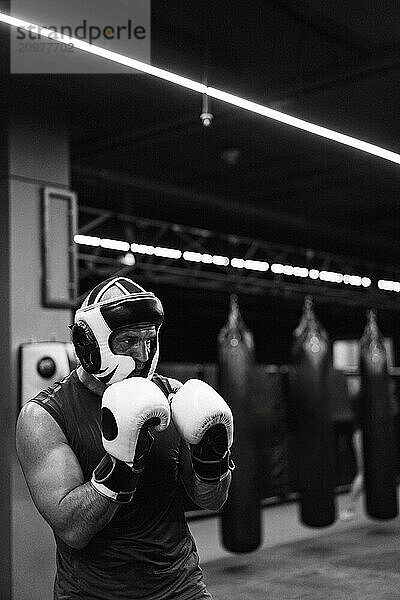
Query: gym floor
[[356, 560]]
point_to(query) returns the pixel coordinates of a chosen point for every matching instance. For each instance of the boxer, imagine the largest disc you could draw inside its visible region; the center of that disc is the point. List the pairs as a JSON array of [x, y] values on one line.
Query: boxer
[[104, 453]]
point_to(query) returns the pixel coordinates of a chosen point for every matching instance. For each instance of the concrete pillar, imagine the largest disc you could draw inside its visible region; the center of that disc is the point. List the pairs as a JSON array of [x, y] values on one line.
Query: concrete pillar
[[6, 407], [35, 155]]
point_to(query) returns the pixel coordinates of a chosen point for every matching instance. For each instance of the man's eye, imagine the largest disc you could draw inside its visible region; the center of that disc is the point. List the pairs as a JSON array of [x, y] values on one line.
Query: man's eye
[[133, 342], [128, 342]]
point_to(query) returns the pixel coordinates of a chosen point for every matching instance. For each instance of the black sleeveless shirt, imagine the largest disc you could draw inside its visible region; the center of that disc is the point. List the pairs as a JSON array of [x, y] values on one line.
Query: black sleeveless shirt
[[146, 552]]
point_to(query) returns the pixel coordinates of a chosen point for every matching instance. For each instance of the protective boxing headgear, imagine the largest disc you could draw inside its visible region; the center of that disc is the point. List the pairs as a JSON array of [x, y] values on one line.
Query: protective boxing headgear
[[115, 303]]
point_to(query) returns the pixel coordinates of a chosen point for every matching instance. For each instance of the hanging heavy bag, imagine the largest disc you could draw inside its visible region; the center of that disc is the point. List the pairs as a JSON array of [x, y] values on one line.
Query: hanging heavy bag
[[310, 421], [377, 426], [241, 514]]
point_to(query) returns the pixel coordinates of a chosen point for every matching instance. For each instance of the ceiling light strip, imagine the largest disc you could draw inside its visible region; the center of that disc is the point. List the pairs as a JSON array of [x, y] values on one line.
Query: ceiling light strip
[[389, 286], [202, 89], [237, 263]]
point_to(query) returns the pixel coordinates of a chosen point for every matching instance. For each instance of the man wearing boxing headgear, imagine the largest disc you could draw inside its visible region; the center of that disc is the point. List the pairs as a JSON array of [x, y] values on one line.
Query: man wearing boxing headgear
[[105, 451]]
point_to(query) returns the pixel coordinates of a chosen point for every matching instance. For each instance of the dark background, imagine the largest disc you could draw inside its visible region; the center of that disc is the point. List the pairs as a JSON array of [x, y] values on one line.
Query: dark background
[[139, 147]]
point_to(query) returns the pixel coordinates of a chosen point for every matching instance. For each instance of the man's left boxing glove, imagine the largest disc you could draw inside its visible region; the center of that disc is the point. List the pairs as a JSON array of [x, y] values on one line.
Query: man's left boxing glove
[[128, 409], [205, 421]]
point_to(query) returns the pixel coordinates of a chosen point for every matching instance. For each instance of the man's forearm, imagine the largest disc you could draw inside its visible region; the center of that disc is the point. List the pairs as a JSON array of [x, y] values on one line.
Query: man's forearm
[[84, 513]]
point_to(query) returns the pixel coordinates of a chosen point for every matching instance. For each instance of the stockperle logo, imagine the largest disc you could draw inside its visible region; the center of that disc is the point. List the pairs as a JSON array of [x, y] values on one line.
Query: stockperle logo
[[122, 26]]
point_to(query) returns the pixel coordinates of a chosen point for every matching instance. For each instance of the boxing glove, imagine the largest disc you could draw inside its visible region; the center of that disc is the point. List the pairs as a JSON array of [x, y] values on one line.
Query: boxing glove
[[129, 408], [205, 421]]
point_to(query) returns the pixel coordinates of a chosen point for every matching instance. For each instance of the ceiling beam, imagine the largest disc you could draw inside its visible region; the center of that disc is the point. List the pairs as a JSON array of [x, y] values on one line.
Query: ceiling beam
[[323, 24], [232, 207], [187, 276]]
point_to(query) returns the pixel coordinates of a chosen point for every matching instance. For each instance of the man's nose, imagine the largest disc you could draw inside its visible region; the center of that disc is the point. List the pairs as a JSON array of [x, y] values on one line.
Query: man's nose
[[142, 352]]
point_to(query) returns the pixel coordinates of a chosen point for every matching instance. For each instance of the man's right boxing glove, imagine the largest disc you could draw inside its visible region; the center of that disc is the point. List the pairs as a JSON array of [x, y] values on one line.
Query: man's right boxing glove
[[129, 408]]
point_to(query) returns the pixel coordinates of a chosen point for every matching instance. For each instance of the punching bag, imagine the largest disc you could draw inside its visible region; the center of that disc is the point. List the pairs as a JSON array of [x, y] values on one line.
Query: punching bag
[[310, 421], [377, 425], [241, 514]]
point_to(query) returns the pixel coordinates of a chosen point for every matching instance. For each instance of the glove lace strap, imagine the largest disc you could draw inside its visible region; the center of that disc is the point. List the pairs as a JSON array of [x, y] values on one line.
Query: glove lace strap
[[115, 479], [212, 470]]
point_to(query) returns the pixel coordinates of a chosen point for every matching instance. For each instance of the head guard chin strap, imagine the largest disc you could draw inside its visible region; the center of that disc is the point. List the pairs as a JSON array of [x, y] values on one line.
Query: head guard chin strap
[[117, 302]]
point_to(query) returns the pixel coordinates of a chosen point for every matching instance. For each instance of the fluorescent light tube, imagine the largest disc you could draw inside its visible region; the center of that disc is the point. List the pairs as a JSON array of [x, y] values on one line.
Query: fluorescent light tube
[[231, 99]]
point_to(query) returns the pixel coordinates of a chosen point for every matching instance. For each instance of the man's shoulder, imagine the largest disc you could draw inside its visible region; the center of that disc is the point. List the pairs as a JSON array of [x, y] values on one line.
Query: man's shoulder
[[62, 397], [63, 401], [56, 390], [47, 406]]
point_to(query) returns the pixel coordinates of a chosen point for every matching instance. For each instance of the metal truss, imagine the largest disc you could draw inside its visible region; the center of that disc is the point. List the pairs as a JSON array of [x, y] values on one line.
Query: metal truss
[[98, 261]]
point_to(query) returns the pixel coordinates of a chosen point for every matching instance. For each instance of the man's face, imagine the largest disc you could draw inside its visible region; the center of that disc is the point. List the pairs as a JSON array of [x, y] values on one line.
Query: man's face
[[134, 342]]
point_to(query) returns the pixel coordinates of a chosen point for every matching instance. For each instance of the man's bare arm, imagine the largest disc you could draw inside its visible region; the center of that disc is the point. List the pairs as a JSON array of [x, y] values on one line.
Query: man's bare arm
[[72, 508]]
